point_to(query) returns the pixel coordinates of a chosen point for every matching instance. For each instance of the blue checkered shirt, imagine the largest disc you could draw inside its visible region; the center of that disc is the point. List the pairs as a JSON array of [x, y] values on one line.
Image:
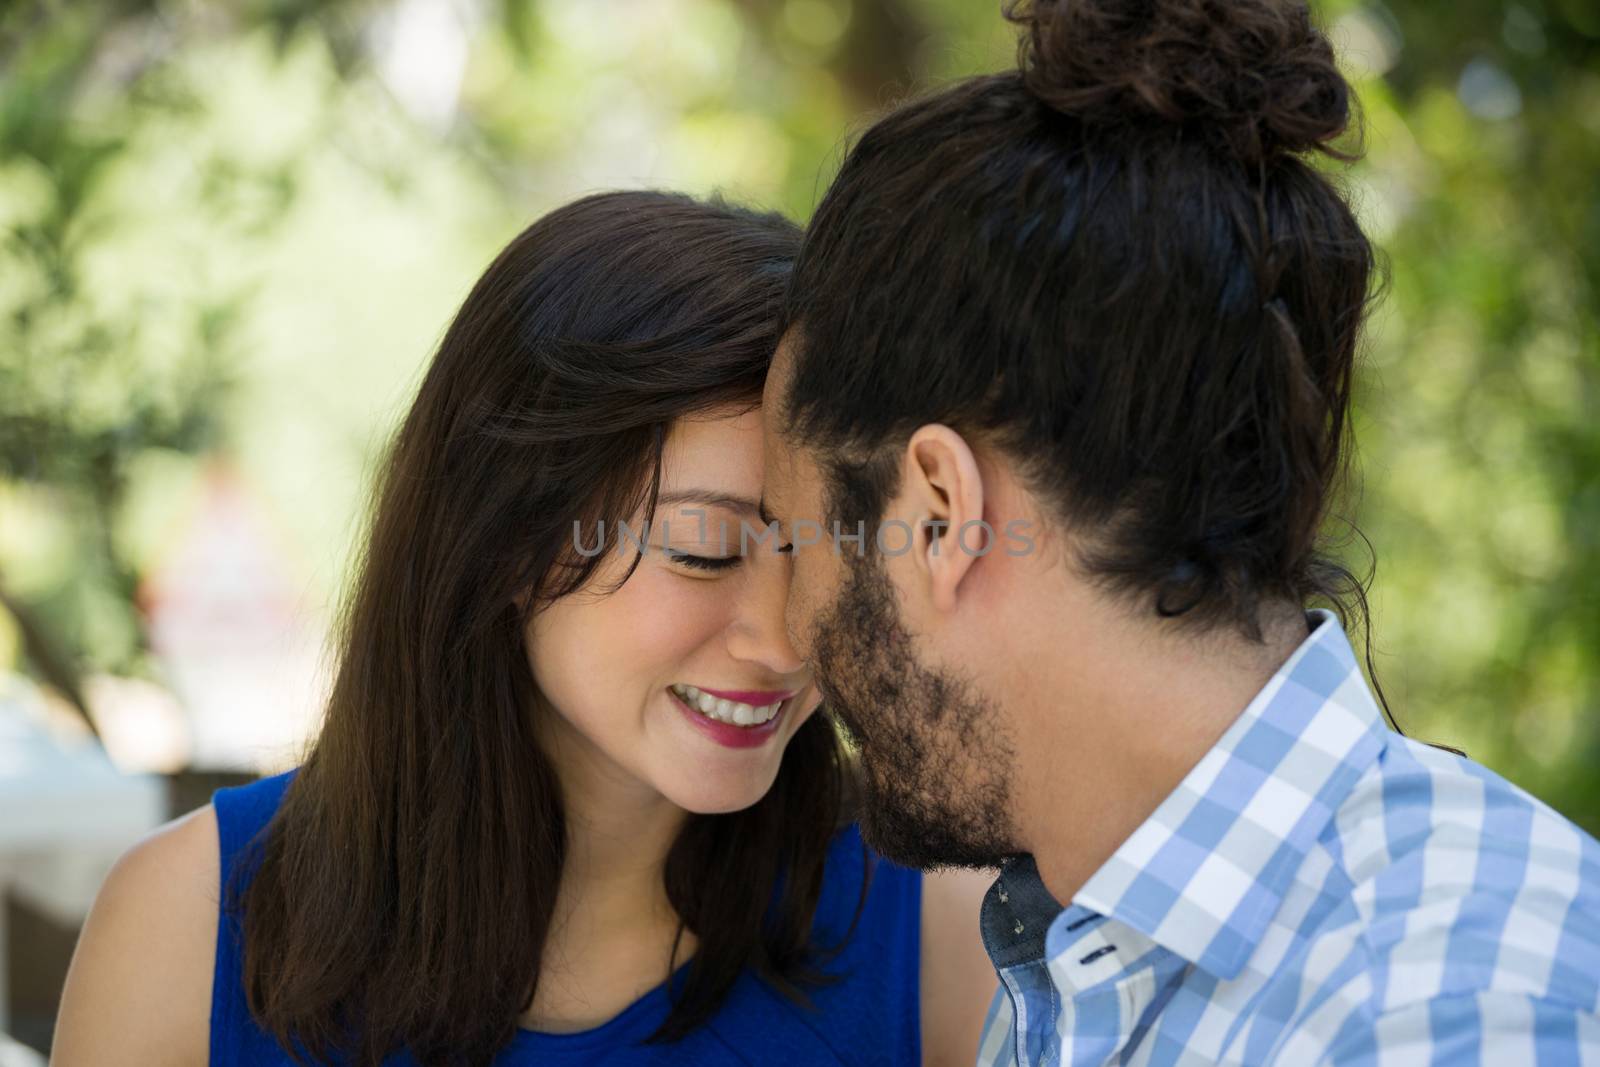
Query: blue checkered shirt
[[1319, 890]]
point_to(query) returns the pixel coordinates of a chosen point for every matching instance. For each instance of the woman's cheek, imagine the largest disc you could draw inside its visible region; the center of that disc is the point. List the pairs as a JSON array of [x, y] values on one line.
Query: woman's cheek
[[601, 661], [658, 623]]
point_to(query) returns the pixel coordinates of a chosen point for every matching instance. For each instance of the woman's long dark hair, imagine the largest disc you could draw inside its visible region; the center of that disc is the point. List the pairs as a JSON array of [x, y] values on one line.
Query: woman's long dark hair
[[402, 895]]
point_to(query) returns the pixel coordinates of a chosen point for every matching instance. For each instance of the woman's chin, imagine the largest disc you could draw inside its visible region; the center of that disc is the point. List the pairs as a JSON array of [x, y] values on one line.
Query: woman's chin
[[718, 794]]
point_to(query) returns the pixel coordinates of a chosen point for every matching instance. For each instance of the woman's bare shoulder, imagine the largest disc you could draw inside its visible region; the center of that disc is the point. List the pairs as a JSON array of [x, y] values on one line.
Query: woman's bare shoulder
[[139, 988]]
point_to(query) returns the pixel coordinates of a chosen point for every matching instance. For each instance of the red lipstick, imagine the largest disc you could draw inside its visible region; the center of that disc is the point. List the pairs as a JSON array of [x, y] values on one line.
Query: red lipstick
[[727, 734], [756, 698]]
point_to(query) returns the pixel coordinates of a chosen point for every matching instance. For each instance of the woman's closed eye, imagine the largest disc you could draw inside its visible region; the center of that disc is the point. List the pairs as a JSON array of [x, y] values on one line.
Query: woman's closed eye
[[703, 563]]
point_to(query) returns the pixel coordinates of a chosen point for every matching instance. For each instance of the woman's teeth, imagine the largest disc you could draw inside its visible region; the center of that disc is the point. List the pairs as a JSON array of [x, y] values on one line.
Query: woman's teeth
[[729, 711]]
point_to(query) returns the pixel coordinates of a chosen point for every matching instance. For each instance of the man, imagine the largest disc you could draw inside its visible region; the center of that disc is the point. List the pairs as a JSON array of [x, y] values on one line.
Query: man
[[1053, 436]]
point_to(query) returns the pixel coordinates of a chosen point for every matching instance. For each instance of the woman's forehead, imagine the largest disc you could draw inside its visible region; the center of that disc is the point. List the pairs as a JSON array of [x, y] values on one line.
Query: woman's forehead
[[718, 453]]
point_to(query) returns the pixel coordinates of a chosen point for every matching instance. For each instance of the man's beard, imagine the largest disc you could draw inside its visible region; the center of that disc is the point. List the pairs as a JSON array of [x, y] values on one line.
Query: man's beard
[[936, 762]]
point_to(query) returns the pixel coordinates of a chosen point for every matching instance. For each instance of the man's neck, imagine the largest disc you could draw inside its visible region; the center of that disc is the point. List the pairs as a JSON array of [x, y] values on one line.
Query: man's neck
[[1145, 702]]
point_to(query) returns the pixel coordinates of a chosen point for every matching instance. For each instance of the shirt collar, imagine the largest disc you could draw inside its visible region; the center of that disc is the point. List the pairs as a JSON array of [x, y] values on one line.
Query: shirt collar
[[1205, 874]]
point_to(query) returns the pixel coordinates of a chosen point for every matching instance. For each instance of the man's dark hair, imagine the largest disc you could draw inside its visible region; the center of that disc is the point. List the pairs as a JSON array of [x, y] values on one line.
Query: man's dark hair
[[1117, 265]]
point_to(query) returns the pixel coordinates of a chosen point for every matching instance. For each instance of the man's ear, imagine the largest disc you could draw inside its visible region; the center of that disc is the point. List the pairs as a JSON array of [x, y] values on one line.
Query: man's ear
[[941, 499]]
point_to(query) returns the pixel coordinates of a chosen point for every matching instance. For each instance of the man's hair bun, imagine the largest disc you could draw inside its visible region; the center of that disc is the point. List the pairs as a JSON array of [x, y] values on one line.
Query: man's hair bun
[[1256, 76]]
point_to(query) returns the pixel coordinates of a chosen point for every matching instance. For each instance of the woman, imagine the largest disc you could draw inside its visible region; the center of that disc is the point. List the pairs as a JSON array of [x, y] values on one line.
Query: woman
[[568, 805]]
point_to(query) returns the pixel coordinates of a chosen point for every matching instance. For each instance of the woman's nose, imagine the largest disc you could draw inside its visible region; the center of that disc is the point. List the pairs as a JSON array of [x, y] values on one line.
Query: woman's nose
[[758, 632]]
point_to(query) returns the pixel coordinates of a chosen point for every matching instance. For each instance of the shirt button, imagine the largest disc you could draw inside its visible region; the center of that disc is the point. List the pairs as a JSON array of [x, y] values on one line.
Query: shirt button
[[1103, 950]]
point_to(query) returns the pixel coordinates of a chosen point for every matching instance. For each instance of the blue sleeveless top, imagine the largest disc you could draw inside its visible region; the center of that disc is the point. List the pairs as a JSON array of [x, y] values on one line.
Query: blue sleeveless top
[[869, 1016]]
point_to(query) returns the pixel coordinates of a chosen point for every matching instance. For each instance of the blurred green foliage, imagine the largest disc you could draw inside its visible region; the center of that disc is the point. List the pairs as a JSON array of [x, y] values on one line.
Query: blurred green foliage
[[1480, 413], [238, 228]]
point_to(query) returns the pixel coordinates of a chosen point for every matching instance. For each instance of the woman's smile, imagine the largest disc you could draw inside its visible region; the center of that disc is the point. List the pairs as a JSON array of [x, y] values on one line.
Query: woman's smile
[[735, 723], [741, 707]]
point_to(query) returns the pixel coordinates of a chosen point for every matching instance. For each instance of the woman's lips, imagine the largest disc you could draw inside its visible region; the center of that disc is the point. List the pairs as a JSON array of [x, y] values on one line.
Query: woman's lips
[[728, 734], [756, 698]]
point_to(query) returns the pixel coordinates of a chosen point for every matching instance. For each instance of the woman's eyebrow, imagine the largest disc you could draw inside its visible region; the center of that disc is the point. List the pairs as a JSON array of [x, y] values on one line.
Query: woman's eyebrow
[[738, 504]]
